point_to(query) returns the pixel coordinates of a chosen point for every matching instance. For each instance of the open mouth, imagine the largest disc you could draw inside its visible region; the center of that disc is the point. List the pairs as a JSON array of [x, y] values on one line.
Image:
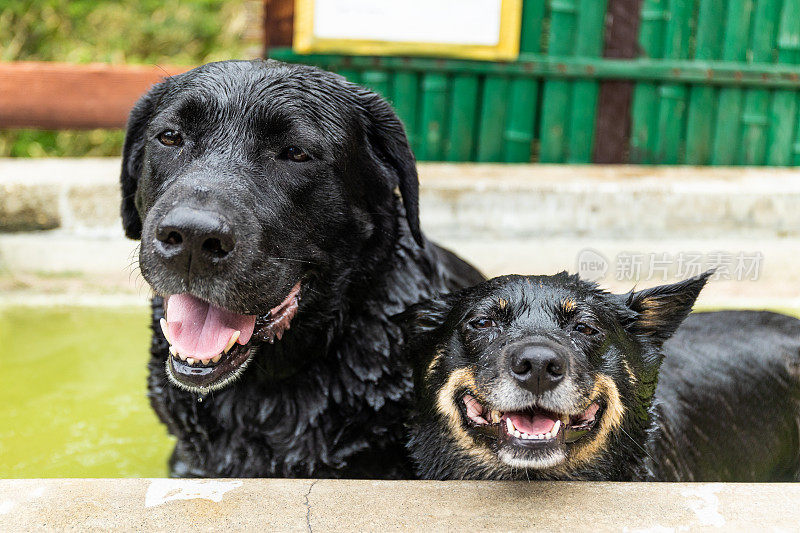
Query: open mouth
[[531, 429], [210, 346]]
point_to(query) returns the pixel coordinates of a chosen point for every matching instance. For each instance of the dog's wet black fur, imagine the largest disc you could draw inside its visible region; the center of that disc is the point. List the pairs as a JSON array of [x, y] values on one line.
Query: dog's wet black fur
[[728, 399], [289, 173], [725, 404]]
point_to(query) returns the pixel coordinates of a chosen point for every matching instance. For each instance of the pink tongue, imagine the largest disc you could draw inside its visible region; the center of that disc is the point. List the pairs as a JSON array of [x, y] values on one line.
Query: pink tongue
[[533, 424], [201, 330]]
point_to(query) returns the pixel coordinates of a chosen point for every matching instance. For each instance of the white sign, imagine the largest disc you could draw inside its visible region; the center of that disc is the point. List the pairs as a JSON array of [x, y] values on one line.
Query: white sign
[[426, 21], [481, 29]]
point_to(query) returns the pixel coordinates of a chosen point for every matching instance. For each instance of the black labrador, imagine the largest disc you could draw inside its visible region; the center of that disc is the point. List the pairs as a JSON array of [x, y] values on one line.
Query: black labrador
[[277, 246]]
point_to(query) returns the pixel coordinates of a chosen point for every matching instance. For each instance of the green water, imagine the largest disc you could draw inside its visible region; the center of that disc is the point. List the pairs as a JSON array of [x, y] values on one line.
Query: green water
[[73, 395]]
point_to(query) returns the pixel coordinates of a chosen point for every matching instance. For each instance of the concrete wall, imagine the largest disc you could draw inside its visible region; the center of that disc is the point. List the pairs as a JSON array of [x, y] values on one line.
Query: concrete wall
[[477, 201], [352, 505], [502, 218]]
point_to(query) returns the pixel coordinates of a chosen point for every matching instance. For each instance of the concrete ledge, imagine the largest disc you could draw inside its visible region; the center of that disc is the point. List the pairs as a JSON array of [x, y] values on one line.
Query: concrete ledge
[[352, 505], [61, 263], [621, 202], [471, 200], [66, 193], [502, 218]]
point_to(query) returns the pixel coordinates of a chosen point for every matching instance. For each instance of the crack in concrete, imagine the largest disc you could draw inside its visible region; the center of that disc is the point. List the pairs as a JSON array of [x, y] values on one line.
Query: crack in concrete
[[308, 506]]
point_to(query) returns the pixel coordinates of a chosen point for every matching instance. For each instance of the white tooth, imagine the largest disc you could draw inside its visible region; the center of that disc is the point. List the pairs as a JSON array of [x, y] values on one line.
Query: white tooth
[[517, 434], [165, 329], [232, 341], [190, 360], [216, 359], [548, 435], [173, 351], [556, 428], [527, 436], [183, 357], [510, 425]]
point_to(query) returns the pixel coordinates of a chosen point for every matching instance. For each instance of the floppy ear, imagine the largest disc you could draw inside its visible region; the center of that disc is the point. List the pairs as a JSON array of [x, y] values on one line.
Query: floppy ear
[[387, 136], [132, 154], [419, 321], [423, 317], [660, 310]]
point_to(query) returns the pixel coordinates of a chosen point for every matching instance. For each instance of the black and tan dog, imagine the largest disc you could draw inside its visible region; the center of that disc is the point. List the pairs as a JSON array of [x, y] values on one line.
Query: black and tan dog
[[550, 377]]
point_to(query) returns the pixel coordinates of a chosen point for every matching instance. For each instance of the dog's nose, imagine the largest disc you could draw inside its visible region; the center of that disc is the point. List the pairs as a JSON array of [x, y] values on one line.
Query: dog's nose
[[537, 367], [193, 239]]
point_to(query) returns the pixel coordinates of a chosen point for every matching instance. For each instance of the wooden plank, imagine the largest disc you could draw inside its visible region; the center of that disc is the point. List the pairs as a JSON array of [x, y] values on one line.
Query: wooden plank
[[463, 118], [755, 119], [644, 113], [492, 119], [278, 24], [557, 93], [588, 43], [521, 120], [405, 100], [784, 103], [68, 96], [524, 93], [702, 99], [722, 73], [734, 48], [434, 116], [673, 97], [613, 125]]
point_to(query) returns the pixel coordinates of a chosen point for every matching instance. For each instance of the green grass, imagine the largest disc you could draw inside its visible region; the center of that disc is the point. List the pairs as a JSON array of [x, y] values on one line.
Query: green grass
[[123, 31], [73, 390], [48, 143], [791, 311]]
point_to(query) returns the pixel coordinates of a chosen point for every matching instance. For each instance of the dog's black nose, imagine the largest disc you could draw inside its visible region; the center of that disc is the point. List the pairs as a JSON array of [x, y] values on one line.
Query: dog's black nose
[[537, 367], [195, 239]]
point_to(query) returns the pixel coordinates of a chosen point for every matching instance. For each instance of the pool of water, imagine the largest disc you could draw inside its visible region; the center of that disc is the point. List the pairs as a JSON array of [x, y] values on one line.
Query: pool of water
[[73, 395]]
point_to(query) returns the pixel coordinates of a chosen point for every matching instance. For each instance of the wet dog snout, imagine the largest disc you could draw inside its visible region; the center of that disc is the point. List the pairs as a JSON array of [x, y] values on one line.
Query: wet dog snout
[[190, 240], [537, 366]]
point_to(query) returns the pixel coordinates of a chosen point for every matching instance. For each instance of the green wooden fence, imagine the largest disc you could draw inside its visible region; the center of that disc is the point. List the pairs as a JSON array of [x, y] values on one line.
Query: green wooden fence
[[716, 82]]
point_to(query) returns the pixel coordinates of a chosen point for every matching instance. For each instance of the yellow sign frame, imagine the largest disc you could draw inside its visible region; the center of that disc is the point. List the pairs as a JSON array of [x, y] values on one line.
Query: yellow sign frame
[[506, 49]]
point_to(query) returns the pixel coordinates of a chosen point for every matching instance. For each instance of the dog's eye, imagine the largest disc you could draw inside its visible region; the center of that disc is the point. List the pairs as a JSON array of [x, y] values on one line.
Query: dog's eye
[[483, 323], [584, 329], [294, 153], [170, 138]]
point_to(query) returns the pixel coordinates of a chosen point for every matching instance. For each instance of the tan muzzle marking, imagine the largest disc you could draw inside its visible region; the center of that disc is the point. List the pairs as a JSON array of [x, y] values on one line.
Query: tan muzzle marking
[[459, 379], [584, 452]]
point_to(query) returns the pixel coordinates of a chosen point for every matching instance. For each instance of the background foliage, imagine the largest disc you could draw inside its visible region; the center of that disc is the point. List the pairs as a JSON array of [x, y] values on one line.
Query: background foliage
[[115, 31]]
